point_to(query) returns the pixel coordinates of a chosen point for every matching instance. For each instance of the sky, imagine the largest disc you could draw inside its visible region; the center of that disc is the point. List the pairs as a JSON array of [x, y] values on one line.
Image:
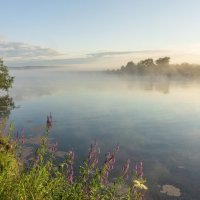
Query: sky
[[98, 34]]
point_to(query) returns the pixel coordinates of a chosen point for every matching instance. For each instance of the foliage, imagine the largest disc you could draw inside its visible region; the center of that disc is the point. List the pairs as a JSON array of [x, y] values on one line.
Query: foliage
[[161, 67], [5, 79], [147, 63], [163, 61], [42, 179]]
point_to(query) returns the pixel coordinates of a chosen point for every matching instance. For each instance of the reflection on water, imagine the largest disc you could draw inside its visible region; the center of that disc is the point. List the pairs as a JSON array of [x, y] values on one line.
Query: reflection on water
[[155, 120], [6, 105]]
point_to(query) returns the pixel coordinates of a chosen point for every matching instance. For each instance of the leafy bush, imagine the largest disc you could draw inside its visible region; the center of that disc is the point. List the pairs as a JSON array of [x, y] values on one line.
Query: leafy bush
[[5, 79]]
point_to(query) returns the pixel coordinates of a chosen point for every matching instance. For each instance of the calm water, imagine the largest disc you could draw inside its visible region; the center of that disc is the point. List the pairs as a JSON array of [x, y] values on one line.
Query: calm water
[[156, 121]]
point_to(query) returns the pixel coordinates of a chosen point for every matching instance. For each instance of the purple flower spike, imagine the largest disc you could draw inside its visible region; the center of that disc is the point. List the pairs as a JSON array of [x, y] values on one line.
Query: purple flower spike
[[141, 170], [125, 169], [136, 169], [49, 122], [22, 139], [93, 155], [108, 166], [51, 118], [70, 171]]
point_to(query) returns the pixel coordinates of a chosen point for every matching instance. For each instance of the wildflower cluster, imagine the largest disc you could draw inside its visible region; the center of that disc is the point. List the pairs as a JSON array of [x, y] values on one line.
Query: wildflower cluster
[[45, 180], [125, 169], [110, 159], [93, 155], [138, 188]]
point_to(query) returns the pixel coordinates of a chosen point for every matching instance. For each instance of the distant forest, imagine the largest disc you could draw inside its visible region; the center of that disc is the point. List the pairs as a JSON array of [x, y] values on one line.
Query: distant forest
[[160, 66]]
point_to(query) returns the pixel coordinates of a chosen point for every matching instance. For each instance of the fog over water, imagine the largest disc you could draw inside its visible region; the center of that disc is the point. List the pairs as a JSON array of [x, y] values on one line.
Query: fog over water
[[155, 120]]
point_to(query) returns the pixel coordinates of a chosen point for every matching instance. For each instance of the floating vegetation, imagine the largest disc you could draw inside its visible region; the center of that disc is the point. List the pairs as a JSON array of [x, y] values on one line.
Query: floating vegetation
[[170, 190]]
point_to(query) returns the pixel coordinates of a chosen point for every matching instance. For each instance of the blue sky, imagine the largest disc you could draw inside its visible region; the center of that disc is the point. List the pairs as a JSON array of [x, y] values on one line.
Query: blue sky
[[98, 33]]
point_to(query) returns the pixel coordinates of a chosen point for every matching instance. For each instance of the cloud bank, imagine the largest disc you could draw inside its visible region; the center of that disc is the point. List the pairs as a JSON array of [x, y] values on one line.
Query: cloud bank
[[22, 51], [18, 54]]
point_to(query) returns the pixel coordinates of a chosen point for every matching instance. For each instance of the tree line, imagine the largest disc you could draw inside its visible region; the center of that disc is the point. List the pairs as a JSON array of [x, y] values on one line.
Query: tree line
[[161, 66]]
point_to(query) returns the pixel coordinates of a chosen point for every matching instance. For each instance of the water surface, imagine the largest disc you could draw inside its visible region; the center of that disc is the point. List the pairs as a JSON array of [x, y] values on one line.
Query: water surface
[[156, 121]]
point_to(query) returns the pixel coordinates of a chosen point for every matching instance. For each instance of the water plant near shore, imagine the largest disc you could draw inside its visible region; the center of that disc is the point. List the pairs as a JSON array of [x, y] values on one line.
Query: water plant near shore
[[44, 179]]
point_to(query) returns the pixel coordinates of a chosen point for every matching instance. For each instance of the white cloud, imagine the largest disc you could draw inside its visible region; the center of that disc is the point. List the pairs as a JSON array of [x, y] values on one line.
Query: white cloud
[[12, 51]]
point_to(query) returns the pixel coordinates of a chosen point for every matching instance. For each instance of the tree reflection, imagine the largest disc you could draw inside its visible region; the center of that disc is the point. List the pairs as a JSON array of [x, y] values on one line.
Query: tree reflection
[[6, 105]]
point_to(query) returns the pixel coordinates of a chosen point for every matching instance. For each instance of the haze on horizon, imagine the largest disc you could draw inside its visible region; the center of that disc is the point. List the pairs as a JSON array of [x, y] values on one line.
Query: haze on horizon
[[98, 34]]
